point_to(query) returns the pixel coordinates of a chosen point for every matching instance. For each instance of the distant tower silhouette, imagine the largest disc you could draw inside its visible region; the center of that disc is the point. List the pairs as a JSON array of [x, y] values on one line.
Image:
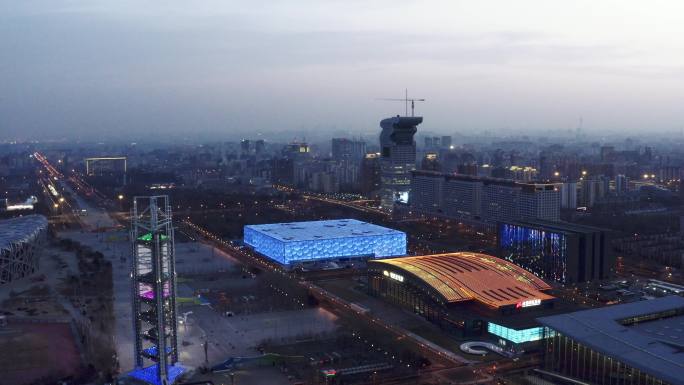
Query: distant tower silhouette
[[580, 127]]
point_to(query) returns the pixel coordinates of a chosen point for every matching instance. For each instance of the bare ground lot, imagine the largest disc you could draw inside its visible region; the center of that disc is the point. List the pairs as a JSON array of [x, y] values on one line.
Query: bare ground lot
[[33, 351]]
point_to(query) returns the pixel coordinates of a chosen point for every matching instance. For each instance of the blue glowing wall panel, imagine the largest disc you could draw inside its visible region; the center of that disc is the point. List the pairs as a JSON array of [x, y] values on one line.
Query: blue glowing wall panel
[[149, 374], [543, 253], [516, 336], [306, 241]]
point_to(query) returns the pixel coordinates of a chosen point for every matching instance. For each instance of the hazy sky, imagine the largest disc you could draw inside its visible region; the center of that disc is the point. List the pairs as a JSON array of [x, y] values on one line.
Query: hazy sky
[[91, 68]]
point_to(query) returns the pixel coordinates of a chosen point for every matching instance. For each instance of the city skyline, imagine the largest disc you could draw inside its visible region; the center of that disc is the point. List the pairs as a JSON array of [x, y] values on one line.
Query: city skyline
[[341, 192], [109, 69]]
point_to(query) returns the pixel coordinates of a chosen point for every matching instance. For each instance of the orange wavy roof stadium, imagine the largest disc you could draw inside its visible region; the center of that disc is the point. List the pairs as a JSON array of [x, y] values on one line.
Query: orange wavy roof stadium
[[468, 276]]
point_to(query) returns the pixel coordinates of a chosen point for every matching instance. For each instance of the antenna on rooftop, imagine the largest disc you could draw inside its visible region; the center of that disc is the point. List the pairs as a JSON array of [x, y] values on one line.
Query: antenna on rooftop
[[406, 101]]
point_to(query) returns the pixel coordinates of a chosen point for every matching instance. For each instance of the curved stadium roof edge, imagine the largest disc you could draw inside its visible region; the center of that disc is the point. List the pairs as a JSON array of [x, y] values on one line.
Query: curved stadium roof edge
[[466, 276]]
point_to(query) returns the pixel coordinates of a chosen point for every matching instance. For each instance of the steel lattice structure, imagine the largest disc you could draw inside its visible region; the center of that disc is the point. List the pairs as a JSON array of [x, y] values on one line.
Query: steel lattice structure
[[21, 240], [154, 291]]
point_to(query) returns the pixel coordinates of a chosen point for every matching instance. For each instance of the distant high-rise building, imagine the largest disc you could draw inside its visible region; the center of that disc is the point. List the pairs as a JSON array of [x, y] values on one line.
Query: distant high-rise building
[[348, 154], [541, 201], [324, 182], [621, 184], [398, 158], [427, 194], [446, 141], [607, 153], [244, 146], [296, 150], [516, 201], [569, 195], [485, 199], [594, 189], [430, 162], [546, 166], [283, 171], [370, 177], [462, 197], [648, 154], [297, 155], [348, 150], [259, 146]]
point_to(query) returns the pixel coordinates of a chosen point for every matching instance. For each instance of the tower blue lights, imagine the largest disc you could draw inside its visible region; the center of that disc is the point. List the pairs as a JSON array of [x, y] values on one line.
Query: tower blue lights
[[153, 282]]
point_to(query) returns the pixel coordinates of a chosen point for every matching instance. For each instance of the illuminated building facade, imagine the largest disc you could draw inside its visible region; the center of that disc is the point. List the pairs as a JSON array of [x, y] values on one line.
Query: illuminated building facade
[[557, 251], [397, 158], [298, 242], [154, 292], [514, 335], [469, 294], [21, 244], [632, 343]]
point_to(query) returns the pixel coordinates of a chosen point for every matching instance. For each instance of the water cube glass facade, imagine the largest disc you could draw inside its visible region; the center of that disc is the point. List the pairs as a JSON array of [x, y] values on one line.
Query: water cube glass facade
[[317, 240]]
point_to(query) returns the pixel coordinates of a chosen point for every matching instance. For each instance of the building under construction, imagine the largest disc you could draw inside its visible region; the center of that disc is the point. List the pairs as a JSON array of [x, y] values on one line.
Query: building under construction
[[154, 291]]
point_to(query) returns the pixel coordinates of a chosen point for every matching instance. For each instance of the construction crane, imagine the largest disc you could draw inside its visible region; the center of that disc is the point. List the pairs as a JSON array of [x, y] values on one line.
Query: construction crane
[[406, 100]]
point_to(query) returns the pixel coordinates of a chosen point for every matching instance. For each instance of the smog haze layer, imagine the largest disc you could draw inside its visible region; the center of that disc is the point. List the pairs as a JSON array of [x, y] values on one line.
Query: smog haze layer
[[141, 69]]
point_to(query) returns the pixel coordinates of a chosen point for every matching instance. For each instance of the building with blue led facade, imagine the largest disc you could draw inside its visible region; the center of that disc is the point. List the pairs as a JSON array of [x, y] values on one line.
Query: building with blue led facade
[[340, 239], [557, 251]]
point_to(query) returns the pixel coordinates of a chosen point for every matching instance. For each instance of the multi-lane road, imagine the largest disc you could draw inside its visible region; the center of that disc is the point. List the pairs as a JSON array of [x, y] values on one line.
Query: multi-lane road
[[337, 304]]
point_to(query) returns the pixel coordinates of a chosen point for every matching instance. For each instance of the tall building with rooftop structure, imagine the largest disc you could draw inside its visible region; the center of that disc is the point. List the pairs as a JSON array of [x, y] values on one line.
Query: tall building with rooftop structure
[[397, 158]]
